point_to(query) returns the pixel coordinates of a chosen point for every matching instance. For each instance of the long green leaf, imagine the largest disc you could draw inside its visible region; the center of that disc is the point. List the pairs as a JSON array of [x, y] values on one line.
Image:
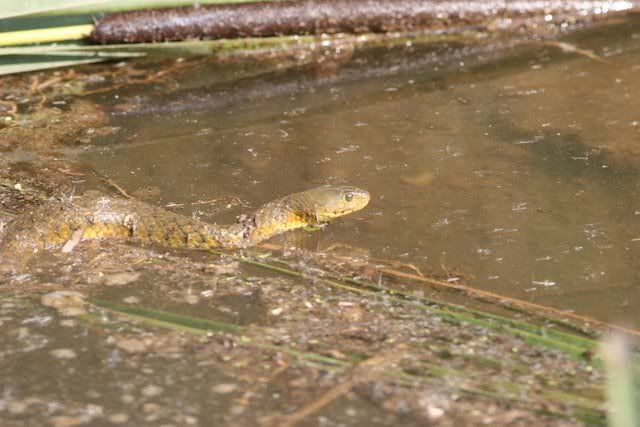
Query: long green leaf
[[193, 47], [14, 8], [45, 35], [199, 326], [24, 67], [67, 54], [170, 318], [573, 345]]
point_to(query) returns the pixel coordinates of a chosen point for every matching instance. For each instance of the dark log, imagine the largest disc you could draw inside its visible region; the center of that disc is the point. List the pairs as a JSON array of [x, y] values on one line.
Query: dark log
[[261, 19]]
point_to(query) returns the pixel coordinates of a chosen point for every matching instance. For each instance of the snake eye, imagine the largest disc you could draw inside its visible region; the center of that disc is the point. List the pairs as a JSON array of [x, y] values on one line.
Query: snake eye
[[348, 197]]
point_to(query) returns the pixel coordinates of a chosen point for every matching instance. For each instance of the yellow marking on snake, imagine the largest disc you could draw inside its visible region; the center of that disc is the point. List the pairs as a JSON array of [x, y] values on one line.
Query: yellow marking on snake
[[103, 217]]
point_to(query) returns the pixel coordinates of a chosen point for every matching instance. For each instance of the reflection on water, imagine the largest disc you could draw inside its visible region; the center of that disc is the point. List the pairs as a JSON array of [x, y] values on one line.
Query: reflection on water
[[523, 172]]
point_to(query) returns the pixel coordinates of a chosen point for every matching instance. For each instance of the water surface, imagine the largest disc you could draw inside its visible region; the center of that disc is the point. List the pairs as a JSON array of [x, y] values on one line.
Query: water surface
[[521, 171]]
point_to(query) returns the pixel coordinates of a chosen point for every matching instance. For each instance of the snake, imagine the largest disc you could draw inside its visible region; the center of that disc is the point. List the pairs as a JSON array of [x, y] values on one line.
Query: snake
[[95, 215]]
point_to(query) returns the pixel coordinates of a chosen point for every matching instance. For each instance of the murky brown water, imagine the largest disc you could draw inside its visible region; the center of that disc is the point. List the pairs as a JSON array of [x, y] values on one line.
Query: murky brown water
[[522, 172]]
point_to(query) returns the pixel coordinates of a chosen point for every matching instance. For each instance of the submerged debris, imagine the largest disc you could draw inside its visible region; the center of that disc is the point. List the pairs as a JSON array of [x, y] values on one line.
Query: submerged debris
[[68, 303]]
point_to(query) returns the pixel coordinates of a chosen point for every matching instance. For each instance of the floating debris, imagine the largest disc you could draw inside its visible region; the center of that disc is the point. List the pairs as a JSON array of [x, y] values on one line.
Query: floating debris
[[421, 179], [545, 283], [63, 353]]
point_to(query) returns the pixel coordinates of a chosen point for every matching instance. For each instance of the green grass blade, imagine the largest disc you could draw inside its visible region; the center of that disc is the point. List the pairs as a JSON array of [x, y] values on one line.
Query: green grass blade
[[622, 390], [15, 8], [163, 316], [124, 5], [24, 67], [199, 326], [192, 47], [45, 35], [575, 346]]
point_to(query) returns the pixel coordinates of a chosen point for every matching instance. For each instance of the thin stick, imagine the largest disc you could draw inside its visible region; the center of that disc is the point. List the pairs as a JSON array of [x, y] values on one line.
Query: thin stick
[[116, 186], [8, 214], [571, 48], [315, 406], [364, 370]]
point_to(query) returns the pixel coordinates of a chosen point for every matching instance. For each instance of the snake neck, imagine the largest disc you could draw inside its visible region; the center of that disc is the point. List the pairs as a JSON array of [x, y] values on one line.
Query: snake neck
[[271, 219]]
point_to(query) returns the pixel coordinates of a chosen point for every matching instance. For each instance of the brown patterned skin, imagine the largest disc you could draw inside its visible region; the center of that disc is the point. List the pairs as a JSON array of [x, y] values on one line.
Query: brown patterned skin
[[96, 216], [290, 17]]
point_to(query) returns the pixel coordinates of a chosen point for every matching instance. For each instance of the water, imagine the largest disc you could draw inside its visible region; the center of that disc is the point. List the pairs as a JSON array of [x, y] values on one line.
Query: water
[[520, 171], [515, 166]]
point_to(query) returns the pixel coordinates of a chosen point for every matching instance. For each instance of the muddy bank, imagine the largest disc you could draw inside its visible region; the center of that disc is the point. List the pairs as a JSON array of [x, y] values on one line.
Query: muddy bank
[[291, 337]]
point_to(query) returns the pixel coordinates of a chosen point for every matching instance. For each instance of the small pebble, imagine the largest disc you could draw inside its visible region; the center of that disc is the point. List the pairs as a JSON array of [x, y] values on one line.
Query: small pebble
[[352, 314], [68, 303], [94, 410], [119, 418], [152, 390], [434, 412], [132, 345], [63, 353], [67, 421], [150, 408], [237, 410], [224, 388], [131, 300], [72, 311], [69, 323], [120, 279], [17, 407]]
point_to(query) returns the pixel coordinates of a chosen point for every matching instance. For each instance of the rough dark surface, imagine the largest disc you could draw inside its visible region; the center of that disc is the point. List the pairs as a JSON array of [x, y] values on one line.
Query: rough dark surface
[[261, 19]]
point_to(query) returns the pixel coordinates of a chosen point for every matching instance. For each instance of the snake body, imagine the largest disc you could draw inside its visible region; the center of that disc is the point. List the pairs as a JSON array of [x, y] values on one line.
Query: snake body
[[97, 216]]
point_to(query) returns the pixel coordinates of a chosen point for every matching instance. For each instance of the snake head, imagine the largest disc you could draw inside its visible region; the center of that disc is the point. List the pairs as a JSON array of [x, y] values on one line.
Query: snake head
[[332, 202]]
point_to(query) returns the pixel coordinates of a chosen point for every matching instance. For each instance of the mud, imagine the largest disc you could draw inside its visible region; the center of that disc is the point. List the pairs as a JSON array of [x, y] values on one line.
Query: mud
[[429, 381]]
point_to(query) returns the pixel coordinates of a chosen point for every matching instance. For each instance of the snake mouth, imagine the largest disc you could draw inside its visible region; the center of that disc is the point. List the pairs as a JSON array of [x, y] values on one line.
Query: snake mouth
[[345, 211]]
